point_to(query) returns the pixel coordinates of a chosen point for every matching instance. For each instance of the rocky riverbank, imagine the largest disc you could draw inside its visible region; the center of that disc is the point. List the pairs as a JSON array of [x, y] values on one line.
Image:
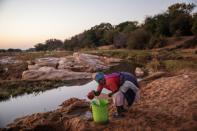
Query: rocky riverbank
[[77, 66], [43, 73], [167, 103]]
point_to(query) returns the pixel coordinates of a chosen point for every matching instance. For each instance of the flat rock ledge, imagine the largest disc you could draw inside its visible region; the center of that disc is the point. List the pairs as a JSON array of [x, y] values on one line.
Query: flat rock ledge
[[76, 66]]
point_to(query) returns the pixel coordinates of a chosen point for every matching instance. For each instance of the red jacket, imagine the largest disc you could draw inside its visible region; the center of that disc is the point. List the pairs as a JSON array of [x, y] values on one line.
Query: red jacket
[[112, 82]]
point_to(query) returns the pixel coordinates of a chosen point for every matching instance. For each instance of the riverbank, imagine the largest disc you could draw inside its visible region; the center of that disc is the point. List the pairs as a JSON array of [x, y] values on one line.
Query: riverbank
[[19, 76], [166, 103], [150, 61], [18, 87], [163, 59]]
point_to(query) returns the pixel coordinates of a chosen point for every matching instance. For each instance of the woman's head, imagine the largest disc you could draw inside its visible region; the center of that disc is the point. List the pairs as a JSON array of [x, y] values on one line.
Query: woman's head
[[99, 77]]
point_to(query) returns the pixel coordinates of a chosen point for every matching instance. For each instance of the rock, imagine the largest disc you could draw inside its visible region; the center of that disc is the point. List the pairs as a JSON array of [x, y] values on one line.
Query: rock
[[139, 72], [66, 63], [49, 61], [47, 69], [166, 103], [6, 69], [81, 62], [70, 63], [154, 76], [111, 60], [185, 76], [76, 66], [93, 62], [74, 105], [86, 62], [32, 75], [30, 62], [12, 70], [9, 60], [33, 67], [50, 73]]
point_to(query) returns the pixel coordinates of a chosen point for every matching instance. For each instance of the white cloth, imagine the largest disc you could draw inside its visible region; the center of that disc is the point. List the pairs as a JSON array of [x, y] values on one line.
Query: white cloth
[[129, 85], [118, 99]]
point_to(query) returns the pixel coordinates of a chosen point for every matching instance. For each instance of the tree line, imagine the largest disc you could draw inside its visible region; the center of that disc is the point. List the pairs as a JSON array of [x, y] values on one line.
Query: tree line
[[177, 20]]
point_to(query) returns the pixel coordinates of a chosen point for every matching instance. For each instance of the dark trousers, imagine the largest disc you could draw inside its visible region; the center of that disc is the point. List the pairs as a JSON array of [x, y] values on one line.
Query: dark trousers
[[130, 96]]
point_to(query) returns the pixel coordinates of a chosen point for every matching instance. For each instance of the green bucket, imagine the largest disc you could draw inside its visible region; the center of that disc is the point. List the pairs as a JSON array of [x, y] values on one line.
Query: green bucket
[[100, 111]]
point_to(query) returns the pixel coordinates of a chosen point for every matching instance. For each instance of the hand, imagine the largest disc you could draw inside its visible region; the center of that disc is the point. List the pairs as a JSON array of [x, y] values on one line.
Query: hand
[[90, 95]]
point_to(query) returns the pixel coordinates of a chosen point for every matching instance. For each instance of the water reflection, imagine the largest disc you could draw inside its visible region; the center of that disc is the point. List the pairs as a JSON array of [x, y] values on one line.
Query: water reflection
[[40, 102]]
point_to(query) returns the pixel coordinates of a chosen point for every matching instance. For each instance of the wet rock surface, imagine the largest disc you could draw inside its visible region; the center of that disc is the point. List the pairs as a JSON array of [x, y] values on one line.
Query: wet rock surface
[[167, 103]]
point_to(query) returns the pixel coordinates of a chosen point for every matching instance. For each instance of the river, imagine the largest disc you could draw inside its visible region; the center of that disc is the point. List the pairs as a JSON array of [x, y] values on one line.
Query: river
[[49, 100], [41, 102]]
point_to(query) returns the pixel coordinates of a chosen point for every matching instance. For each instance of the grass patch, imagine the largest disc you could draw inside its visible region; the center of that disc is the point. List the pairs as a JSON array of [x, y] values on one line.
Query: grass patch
[[175, 65], [24, 56], [154, 65], [33, 55], [136, 55], [169, 55], [4, 95]]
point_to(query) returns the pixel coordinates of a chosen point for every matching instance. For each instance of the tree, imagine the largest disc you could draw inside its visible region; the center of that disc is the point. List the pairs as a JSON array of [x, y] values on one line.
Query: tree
[[194, 24], [162, 25], [14, 50], [180, 18], [108, 37], [181, 25], [40, 47], [127, 26], [53, 44], [177, 20], [158, 25], [180, 8], [120, 40], [138, 39]]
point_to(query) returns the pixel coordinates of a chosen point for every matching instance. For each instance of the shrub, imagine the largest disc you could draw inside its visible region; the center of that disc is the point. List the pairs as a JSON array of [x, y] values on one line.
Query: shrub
[[138, 39], [157, 42], [154, 65], [194, 27]]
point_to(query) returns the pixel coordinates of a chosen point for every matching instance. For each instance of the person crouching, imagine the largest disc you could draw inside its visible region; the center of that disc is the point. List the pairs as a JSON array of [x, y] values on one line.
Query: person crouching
[[123, 86]]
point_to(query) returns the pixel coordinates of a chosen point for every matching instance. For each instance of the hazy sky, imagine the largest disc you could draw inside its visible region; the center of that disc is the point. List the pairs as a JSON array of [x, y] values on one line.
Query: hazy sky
[[24, 23]]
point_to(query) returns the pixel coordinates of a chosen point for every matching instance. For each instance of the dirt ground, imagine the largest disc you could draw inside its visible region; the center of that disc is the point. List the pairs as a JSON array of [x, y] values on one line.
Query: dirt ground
[[168, 103]]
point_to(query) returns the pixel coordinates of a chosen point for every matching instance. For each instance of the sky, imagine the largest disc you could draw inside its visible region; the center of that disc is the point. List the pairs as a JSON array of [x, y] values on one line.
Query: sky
[[24, 23]]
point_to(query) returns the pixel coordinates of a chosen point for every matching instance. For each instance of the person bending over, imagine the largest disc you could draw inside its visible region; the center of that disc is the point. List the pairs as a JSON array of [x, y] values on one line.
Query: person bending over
[[123, 86]]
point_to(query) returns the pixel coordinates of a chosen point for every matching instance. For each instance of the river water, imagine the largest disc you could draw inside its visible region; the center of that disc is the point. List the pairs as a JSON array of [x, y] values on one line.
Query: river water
[[49, 100], [41, 102]]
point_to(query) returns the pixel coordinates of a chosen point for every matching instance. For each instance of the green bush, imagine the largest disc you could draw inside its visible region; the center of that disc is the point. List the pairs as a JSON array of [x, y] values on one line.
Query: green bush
[[138, 39]]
